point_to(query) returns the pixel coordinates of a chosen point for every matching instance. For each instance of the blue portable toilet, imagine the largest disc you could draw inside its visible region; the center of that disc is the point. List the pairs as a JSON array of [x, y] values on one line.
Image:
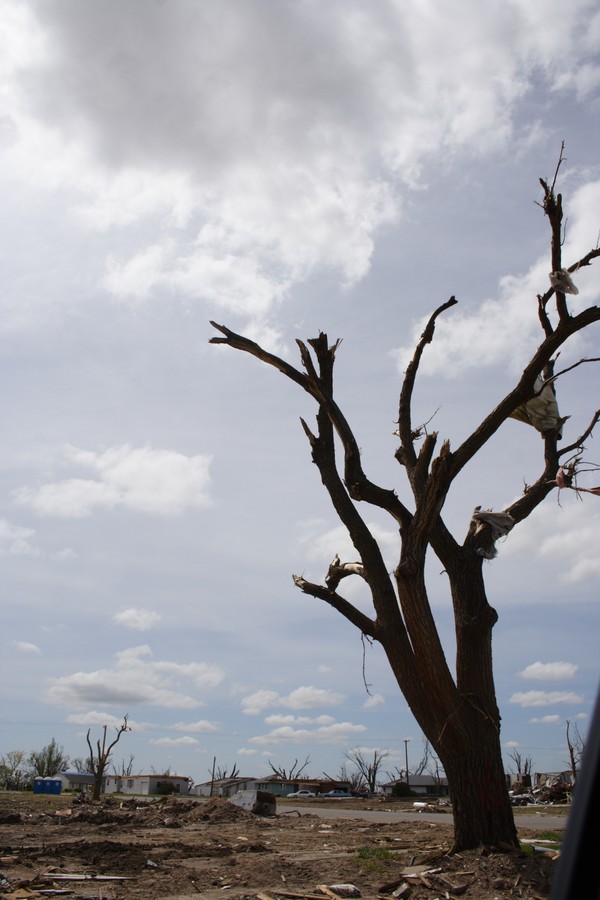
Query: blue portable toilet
[[48, 785], [38, 785], [53, 785]]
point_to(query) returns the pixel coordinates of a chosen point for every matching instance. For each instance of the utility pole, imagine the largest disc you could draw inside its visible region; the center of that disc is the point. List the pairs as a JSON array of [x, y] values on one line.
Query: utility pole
[[406, 740], [212, 777]]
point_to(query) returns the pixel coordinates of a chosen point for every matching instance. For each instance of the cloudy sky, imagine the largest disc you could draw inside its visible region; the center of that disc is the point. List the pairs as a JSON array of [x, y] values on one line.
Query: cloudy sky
[[283, 167]]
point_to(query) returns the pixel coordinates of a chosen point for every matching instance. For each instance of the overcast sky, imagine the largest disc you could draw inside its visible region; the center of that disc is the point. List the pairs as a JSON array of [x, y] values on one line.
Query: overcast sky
[[283, 167]]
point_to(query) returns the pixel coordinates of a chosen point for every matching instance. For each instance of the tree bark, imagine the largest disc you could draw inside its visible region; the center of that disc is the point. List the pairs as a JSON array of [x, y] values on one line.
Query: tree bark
[[480, 802]]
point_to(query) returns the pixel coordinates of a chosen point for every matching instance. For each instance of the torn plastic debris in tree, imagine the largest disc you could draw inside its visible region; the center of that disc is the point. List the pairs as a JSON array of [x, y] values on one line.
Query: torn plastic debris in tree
[[562, 281], [541, 411], [498, 523]]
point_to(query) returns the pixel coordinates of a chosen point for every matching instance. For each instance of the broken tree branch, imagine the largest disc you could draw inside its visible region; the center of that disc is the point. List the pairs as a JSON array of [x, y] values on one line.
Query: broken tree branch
[[405, 429], [578, 444], [338, 570], [339, 603]]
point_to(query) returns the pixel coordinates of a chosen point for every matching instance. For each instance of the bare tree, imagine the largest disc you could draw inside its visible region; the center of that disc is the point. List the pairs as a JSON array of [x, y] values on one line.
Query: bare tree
[[576, 746], [81, 766], [424, 765], [223, 772], [352, 778], [100, 756], [125, 770], [13, 776], [290, 774], [456, 709], [48, 761], [369, 769], [524, 766]]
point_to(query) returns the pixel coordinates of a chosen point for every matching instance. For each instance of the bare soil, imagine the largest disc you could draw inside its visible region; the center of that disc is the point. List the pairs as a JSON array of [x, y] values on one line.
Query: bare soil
[[178, 849]]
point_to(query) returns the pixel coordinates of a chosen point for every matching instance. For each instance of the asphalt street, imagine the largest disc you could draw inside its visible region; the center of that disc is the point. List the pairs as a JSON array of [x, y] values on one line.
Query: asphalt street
[[543, 819]]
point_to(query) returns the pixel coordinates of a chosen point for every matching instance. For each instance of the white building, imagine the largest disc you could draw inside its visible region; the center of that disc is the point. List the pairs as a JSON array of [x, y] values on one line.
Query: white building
[[146, 784]]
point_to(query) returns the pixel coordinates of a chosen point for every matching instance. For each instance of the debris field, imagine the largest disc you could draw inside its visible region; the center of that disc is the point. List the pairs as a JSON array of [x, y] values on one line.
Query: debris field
[[179, 849]]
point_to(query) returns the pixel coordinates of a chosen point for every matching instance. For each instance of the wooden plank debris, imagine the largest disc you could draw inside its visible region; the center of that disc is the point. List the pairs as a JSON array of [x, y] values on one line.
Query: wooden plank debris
[[64, 876]]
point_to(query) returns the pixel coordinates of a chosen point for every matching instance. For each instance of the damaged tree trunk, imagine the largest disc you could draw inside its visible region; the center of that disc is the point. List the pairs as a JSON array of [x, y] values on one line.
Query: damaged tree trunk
[[457, 710]]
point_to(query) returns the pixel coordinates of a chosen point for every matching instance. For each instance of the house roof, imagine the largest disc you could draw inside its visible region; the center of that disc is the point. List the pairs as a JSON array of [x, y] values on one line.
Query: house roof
[[419, 779], [155, 775]]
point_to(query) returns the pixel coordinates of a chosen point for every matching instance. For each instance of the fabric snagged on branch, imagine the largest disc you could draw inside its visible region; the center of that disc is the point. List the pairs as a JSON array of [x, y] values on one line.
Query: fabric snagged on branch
[[541, 411], [562, 281], [499, 525]]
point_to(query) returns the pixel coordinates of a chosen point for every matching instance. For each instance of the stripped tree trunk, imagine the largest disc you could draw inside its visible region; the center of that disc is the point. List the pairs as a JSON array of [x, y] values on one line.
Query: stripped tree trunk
[[456, 709]]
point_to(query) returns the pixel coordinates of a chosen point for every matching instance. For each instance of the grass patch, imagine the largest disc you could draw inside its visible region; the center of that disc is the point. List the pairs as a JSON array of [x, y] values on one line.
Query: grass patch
[[555, 836], [376, 859]]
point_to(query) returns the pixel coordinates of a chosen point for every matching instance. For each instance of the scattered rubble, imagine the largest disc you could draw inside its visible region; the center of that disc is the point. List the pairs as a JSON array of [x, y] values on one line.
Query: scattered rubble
[[177, 848]]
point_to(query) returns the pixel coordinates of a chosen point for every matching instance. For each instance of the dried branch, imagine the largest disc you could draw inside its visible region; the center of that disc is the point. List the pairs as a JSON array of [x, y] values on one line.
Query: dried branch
[[339, 603], [338, 570], [238, 342], [585, 260], [405, 429], [586, 359], [320, 387], [578, 444], [524, 390]]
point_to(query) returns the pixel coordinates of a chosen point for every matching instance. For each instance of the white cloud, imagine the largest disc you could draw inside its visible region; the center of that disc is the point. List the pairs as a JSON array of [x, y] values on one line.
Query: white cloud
[[499, 330], [26, 647], [138, 275], [255, 181], [336, 732], [255, 703], [322, 545], [65, 555], [16, 540], [136, 618], [298, 720], [175, 742], [101, 718], [564, 543], [575, 548], [554, 671], [545, 720], [300, 698], [134, 681], [374, 700], [544, 698], [504, 330], [310, 697], [200, 727], [157, 482], [246, 751]]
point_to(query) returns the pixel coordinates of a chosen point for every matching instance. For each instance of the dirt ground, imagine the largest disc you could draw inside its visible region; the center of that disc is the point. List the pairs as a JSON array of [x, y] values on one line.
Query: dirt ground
[[178, 849]]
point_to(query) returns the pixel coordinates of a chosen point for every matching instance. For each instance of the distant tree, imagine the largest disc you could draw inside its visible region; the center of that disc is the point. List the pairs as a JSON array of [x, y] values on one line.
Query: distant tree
[[368, 768], [524, 766], [352, 778], [81, 766], [100, 755], [401, 789], [48, 761], [423, 765], [223, 772], [576, 747], [456, 707], [165, 788], [125, 769], [13, 776], [293, 773]]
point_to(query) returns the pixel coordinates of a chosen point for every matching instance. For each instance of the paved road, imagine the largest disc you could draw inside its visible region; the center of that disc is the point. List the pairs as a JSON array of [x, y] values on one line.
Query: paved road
[[543, 820]]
